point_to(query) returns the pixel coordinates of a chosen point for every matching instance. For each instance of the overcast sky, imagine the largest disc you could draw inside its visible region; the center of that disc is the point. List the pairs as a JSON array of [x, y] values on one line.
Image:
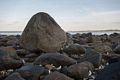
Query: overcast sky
[[71, 15]]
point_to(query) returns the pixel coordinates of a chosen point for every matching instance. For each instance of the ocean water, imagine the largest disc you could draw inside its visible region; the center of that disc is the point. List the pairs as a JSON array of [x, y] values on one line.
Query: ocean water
[[97, 32], [10, 33], [81, 32]]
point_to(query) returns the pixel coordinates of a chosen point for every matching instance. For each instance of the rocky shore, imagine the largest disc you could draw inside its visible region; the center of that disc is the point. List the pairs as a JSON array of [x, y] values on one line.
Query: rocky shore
[[45, 51]]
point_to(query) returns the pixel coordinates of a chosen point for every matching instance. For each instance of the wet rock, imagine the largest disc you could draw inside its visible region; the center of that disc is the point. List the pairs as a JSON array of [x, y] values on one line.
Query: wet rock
[[78, 39], [74, 49], [114, 35], [92, 56], [22, 52], [7, 62], [115, 38], [117, 49], [105, 38], [32, 72], [57, 76], [102, 48], [69, 39], [80, 70], [54, 58], [110, 72], [111, 58], [32, 55], [10, 42], [14, 76], [43, 33], [10, 51], [3, 44]]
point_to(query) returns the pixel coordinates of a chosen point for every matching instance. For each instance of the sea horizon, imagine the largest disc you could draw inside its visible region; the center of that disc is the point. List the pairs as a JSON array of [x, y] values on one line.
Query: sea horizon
[[94, 32]]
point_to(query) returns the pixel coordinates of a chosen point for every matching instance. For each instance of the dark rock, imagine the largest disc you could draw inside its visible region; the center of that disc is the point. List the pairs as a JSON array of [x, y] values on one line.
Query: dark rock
[[10, 51], [29, 59], [16, 44], [115, 38], [69, 39], [7, 62], [54, 58], [32, 72], [80, 70], [110, 72], [10, 42], [43, 33], [14, 76], [102, 48], [117, 49], [22, 52], [57, 76], [74, 49], [114, 34], [92, 56], [3, 44], [111, 58], [32, 55], [78, 39]]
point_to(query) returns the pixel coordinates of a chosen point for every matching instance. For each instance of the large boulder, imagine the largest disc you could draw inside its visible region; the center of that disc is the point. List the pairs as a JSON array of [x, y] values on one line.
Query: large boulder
[[54, 58], [43, 33]]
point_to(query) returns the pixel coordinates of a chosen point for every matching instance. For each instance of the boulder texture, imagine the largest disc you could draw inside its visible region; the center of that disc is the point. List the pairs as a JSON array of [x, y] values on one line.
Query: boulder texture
[[54, 58], [8, 62], [43, 33], [32, 72], [74, 49], [92, 56], [80, 70]]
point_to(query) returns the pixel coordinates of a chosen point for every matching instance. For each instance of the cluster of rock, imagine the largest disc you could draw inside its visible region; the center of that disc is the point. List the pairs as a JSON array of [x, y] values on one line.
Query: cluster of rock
[[45, 52]]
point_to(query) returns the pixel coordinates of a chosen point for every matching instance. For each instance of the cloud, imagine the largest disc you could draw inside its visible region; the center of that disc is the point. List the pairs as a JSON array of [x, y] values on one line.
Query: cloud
[[94, 21], [17, 25], [108, 16]]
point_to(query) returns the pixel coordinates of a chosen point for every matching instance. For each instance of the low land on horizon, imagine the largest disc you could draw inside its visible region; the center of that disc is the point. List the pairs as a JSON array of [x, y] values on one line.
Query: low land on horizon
[[66, 31], [94, 31]]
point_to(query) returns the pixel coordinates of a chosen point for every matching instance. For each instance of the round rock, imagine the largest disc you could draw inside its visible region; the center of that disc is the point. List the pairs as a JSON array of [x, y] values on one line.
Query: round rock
[[54, 58], [74, 49], [80, 70], [32, 72]]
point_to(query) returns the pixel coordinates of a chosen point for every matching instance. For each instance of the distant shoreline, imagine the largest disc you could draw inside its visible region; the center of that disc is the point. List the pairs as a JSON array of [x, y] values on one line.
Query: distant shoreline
[[10, 31], [96, 31], [67, 31]]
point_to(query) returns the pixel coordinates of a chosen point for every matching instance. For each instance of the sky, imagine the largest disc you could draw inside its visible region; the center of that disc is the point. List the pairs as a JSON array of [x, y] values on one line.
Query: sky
[[71, 15]]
